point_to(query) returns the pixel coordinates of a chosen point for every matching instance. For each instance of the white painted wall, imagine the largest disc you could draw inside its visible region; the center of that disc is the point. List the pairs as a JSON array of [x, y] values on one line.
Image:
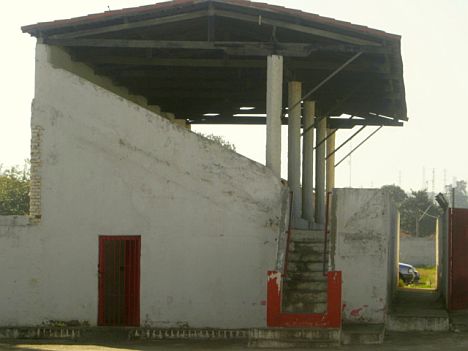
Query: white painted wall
[[209, 218], [364, 238], [418, 251]]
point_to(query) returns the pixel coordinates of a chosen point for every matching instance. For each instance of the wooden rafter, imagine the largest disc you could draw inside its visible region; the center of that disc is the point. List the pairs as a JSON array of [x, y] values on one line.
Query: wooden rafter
[[131, 25], [296, 27], [238, 48]]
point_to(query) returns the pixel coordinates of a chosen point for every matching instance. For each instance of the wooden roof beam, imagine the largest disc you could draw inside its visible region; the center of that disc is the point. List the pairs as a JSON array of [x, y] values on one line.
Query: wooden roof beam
[[260, 20], [132, 25], [219, 63], [234, 48], [334, 123]]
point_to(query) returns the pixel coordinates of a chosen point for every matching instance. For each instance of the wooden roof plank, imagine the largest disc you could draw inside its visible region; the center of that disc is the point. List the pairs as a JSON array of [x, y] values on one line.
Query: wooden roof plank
[[132, 25], [230, 47], [296, 27]]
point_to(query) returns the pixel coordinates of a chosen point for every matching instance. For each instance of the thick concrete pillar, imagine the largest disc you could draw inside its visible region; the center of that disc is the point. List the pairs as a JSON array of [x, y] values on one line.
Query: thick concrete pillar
[[321, 127], [294, 144], [308, 162], [330, 160], [273, 109]]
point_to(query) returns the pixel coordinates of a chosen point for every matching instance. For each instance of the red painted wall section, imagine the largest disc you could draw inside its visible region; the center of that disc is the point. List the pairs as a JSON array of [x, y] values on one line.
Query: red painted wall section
[[329, 319]]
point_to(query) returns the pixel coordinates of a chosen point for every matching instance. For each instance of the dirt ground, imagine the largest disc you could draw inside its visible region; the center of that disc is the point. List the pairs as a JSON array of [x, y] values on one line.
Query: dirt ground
[[396, 341]]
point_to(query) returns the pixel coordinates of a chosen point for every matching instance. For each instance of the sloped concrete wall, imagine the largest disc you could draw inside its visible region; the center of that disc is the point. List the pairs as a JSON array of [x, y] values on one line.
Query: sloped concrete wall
[[364, 229], [208, 217], [420, 251]]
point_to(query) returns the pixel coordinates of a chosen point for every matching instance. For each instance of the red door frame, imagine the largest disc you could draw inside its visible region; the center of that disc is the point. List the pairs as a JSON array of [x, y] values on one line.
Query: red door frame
[[458, 259], [131, 279]]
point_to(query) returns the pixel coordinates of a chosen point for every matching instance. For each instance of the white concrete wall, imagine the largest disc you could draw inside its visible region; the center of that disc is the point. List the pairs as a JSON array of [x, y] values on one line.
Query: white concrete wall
[[209, 218], [364, 233], [418, 251]]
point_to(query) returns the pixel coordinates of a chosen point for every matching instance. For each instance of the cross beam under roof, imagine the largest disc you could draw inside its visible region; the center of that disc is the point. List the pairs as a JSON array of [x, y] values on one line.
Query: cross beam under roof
[[332, 123], [234, 48]]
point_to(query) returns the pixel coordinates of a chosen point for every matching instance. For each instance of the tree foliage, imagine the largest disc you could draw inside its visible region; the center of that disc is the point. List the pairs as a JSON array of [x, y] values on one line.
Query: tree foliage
[[418, 214], [461, 194], [396, 193], [14, 191], [418, 211]]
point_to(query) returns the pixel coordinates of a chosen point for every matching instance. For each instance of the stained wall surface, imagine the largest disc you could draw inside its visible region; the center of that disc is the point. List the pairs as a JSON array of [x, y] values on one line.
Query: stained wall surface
[[364, 232], [209, 218]]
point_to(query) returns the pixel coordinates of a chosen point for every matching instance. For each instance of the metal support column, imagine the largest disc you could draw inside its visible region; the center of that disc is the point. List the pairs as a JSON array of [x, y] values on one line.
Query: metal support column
[[273, 109], [308, 163], [294, 144], [331, 159], [320, 171]]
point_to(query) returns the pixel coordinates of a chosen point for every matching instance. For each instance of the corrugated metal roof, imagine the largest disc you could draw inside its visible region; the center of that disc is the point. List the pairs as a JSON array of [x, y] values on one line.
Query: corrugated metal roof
[[260, 6]]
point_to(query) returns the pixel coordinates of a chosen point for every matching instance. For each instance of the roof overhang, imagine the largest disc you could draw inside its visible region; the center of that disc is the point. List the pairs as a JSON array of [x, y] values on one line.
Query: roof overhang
[[205, 59]]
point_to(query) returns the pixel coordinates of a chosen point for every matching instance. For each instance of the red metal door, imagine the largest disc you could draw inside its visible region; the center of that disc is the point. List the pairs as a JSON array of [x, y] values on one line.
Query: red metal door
[[119, 280], [458, 246]]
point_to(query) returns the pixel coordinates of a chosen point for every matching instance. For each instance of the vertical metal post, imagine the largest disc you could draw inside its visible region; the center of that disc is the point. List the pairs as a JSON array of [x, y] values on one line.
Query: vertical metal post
[[308, 163], [294, 144], [320, 172], [274, 108], [330, 160]]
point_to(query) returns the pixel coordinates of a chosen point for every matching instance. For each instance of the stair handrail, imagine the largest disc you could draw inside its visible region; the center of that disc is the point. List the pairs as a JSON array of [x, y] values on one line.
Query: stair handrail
[[325, 233], [288, 236]]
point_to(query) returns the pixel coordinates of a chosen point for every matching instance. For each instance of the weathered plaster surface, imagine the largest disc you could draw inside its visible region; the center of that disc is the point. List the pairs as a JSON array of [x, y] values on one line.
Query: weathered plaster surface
[[419, 251], [364, 233], [209, 218]]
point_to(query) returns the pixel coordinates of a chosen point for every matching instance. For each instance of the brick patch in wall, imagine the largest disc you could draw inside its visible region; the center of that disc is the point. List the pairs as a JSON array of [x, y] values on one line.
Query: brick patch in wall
[[35, 186]]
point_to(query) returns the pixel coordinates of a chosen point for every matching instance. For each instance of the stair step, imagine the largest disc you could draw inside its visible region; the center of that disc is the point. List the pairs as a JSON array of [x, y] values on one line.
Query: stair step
[[318, 284], [305, 285], [300, 307], [305, 266], [362, 334], [305, 257], [307, 247], [308, 298], [306, 276], [294, 337], [307, 235], [408, 323]]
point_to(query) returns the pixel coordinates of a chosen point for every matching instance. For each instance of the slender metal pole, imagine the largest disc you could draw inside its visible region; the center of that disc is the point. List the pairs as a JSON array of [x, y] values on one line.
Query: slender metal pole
[[345, 142], [325, 234], [288, 237], [340, 103], [362, 142], [316, 121], [328, 135], [318, 86], [325, 139], [453, 197], [334, 73]]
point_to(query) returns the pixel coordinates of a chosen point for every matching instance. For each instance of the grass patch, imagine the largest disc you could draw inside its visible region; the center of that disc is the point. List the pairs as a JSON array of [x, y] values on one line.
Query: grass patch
[[428, 278]]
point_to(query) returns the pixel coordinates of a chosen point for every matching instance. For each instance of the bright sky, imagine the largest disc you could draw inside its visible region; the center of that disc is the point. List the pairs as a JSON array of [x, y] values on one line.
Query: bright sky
[[435, 57]]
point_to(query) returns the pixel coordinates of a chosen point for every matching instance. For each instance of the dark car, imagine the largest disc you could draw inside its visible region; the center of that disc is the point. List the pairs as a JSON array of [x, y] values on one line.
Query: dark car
[[408, 273]]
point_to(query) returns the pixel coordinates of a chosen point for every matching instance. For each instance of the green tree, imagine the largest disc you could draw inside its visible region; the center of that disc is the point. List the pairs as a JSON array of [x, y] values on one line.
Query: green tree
[[396, 193], [461, 194], [14, 191], [418, 214], [418, 211]]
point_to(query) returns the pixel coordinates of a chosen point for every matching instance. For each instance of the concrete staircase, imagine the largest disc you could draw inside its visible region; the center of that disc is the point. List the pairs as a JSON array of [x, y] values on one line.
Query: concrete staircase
[[417, 310], [305, 286]]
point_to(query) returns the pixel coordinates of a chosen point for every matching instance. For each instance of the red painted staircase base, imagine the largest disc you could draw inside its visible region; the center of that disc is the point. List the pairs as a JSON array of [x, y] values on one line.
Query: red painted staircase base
[[330, 319]]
